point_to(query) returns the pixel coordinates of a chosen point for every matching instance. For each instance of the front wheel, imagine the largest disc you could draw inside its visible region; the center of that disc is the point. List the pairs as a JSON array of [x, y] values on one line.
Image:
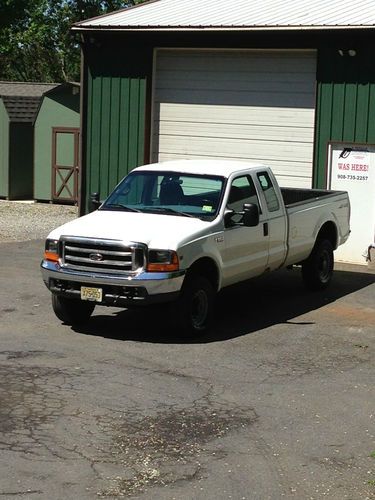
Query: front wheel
[[195, 306], [317, 270], [72, 311]]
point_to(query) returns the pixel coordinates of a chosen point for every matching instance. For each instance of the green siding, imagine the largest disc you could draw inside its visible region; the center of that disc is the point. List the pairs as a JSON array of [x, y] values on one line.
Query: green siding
[[345, 102], [57, 110], [114, 130], [4, 151], [65, 149]]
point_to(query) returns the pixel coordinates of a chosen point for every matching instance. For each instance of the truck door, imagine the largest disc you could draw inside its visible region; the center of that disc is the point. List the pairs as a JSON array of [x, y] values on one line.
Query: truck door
[[245, 253], [277, 221]]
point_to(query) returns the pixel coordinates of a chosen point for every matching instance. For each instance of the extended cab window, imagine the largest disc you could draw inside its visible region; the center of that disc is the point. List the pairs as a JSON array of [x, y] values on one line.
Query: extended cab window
[[269, 192]]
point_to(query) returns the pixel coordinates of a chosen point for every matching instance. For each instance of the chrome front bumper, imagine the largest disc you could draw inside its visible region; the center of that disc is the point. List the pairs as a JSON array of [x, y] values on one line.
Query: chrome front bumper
[[118, 290]]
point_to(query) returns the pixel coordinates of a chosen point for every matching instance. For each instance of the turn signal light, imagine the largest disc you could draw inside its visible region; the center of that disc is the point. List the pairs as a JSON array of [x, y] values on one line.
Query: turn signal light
[[51, 251], [162, 261], [53, 257]]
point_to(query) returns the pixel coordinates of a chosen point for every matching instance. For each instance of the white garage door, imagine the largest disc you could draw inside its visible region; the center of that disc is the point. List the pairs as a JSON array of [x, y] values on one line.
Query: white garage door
[[244, 105]]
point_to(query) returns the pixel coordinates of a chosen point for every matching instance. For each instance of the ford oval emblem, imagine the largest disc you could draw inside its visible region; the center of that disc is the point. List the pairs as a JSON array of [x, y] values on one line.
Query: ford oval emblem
[[96, 257]]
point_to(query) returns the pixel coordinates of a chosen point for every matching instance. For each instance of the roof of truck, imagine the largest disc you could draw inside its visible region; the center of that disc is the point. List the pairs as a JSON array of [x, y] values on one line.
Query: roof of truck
[[222, 168]]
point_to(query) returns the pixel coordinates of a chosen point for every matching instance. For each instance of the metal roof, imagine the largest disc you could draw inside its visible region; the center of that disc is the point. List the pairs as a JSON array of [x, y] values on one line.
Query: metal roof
[[239, 14]]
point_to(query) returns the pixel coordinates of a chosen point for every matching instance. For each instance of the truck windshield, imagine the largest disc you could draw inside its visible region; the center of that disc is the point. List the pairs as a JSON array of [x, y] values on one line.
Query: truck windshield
[[170, 193]]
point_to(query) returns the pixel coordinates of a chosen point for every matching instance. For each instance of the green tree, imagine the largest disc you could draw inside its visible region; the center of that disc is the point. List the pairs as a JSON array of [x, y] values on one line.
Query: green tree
[[35, 39]]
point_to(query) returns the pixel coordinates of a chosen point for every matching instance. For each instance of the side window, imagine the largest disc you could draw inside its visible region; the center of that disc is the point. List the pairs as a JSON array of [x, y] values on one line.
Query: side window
[[265, 182], [242, 191]]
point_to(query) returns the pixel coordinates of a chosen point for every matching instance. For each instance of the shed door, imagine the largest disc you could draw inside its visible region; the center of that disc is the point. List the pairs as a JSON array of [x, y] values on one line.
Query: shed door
[[65, 158], [243, 105]]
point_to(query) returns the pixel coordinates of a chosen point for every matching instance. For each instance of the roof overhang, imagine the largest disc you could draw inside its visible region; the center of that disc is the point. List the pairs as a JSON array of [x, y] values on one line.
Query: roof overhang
[[200, 29], [236, 15]]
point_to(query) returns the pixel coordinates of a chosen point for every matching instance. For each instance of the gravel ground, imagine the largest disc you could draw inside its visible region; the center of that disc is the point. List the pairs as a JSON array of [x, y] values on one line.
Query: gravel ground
[[30, 221]]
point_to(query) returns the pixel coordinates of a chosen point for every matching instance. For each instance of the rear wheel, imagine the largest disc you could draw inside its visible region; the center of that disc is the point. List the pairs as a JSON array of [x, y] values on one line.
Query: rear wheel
[[195, 306], [317, 270], [72, 311]]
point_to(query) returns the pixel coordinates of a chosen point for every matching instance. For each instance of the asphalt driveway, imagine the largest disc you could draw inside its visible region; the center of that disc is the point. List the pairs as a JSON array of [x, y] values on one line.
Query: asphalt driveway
[[278, 402]]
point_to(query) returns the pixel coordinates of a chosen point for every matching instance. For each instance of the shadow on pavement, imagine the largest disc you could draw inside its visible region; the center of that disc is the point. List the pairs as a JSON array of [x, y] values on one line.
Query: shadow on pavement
[[277, 298]]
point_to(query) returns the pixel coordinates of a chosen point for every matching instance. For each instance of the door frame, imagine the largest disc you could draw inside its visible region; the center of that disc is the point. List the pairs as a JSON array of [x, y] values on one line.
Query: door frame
[[74, 170]]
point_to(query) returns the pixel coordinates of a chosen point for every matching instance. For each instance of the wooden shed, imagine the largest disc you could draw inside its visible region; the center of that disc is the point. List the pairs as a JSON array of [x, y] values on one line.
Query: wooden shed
[[56, 136], [18, 106]]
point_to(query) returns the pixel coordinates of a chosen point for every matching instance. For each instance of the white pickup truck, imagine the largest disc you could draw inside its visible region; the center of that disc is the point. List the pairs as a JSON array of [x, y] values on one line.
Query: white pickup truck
[[180, 231]]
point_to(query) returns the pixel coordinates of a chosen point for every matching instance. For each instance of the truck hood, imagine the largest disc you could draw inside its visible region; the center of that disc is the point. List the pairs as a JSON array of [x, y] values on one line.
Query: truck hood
[[154, 230]]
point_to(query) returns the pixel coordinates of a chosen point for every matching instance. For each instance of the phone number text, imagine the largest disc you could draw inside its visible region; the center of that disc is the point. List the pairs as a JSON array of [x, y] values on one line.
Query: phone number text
[[349, 177]]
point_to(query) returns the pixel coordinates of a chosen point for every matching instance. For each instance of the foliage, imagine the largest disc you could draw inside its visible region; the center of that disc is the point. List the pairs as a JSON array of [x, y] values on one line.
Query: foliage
[[35, 39]]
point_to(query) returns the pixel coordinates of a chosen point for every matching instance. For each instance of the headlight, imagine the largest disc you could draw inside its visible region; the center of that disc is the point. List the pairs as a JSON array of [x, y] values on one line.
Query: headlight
[[162, 260], [51, 252]]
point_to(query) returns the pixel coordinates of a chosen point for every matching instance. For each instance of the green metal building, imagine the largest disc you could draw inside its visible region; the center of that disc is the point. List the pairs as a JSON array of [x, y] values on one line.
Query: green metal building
[[18, 106], [277, 85], [56, 136]]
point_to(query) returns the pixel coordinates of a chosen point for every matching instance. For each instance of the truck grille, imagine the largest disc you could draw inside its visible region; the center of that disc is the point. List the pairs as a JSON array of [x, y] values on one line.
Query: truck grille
[[105, 256]]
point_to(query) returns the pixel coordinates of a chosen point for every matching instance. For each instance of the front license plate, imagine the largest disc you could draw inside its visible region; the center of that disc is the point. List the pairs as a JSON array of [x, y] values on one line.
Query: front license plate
[[92, 294]]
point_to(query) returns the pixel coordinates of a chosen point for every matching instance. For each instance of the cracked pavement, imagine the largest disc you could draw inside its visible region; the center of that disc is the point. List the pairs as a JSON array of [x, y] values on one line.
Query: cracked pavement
[[277, 402]]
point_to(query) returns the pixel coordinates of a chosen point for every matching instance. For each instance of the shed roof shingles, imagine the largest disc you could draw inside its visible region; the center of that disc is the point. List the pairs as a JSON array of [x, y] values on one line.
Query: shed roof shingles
[[21, 109], [21, 100], [25, 89]]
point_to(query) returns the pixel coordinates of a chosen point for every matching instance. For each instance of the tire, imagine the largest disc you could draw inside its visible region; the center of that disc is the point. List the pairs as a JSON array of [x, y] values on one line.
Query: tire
[[317, 270], [72, 311], [195, 306]]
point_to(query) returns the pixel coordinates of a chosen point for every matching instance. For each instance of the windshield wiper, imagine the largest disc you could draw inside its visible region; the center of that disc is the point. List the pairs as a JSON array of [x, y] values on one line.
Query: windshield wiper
[[170, 211], [118, 206]]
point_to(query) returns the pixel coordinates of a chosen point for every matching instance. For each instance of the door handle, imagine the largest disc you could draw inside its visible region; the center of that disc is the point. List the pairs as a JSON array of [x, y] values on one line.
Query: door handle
[[265, 229]]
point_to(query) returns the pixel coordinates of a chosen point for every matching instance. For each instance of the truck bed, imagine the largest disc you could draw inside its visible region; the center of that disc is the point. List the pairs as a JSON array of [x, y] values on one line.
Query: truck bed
[[295, 196], [306, 208]]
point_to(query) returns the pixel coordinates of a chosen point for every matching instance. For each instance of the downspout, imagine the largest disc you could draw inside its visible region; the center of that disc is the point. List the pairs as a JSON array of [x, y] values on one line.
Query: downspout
[[82, 138]]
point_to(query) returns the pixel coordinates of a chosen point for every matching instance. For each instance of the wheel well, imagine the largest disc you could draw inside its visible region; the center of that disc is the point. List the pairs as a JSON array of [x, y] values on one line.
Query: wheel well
[[206, 267], [328, 232]]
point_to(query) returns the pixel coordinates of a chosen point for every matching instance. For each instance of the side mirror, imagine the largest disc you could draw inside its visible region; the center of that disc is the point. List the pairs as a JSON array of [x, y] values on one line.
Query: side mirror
[[228, 218], [94, 202], [250, 215]]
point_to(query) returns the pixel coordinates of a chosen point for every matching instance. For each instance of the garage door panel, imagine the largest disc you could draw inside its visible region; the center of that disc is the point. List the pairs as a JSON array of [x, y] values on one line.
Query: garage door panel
[[205, 145], [169, 78], [235, 131], [233, 114], [229, 87], [286, 178], [237, 61], [237, 105], [235, 98]]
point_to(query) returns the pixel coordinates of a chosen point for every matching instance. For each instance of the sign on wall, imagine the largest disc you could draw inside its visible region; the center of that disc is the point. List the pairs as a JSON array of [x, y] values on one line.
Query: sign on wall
[[351, 167]]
